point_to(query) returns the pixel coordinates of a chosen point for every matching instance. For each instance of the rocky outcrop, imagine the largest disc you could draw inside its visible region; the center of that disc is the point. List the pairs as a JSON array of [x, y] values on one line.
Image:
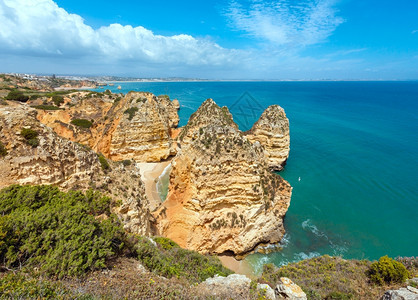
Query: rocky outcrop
[[209, 113], [47, 158], [222, 197], [234, 286], [286, 289], [408, 293], [272, 132], [137, 126]]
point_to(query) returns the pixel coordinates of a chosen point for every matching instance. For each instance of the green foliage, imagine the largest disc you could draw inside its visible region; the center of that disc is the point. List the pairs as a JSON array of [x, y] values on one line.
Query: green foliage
[[46, 107], [17, 286], [127, 162], [3, 150], [17, 96], [326, 276], [387, 270], [34, 97], [107, 92], [31, 137], [131, 112], [103, 162], [82, 123], [55, 231], [169, 260], [57, 99]]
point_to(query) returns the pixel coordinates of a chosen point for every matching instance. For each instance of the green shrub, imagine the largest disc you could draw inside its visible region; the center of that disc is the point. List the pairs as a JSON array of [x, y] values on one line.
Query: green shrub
[[103, 162], [55, 231], [387, 270], [169, 260], [46, 107], [58, 100], [3, 150], [131, 112], [17, 96], [82, 123], [127, 162], [34, 97], [31, 137]]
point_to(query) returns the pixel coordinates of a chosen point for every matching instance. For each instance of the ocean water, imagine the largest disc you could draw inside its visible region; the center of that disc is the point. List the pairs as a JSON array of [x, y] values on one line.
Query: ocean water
[[353, 161]]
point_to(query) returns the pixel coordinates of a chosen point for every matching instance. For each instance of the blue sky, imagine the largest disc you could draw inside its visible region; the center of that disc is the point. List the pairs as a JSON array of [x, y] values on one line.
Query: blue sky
[[220, 39]]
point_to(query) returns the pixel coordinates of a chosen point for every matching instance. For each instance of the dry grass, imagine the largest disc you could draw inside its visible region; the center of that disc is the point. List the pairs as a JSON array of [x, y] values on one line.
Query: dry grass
[[328, 277]]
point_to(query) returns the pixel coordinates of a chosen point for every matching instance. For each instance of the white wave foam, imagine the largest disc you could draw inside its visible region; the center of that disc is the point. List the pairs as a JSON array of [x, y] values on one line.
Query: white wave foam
[[307, 225], [302, 255]]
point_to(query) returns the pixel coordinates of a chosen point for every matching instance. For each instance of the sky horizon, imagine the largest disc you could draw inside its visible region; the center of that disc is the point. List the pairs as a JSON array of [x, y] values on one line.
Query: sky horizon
[[222, 39]]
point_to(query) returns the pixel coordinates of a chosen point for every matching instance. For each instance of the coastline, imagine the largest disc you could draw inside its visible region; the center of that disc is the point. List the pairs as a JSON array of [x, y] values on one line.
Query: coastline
[[149, 174], [238, 266]]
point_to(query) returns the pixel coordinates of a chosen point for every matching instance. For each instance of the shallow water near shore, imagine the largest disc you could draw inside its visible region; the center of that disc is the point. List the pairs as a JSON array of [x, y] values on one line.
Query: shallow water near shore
[[352, 164]]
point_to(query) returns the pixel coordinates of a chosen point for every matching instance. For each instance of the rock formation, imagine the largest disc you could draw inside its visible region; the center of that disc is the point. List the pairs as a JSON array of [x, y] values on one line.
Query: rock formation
[[37, 155], [272, 132], [137, 126], [222, 197]]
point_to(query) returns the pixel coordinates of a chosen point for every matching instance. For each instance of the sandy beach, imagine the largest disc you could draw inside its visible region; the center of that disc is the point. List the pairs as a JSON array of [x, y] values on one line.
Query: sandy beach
[[238, 266], [149, 173]]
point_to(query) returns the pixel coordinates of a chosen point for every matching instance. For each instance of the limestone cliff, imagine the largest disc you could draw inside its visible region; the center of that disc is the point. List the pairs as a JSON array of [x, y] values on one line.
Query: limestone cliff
[[272, 132], [209, 113], [137, 126], [37, 155], [222, 197]]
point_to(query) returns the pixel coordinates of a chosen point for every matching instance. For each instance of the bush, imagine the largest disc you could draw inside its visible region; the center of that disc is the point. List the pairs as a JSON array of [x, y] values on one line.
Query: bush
[[31, 137], [3, 150], [58, 100], [169, 260], [127, 162], [82, 123], [46, 107], [17, 96], [103, 162], [131, 112], [55, 231], [387, 270]]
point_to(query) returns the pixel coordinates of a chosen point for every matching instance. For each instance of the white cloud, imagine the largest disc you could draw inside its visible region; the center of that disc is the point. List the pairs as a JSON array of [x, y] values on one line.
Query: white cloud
[[414, 31], [41, 28], [287, 23]]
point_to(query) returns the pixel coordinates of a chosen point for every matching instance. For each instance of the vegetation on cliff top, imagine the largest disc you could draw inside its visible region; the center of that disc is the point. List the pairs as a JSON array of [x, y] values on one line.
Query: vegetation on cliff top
[[46, 234], [328, 277], [83, 123]]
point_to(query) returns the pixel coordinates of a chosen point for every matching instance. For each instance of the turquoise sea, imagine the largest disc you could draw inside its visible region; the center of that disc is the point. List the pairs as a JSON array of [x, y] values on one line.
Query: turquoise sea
[[353, 161]]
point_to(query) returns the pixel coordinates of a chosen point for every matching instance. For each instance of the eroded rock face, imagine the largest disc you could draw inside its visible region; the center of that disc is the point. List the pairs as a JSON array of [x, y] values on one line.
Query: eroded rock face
[[272, 132], [209, 113], [68, 165], [222, 197], [137, 126]]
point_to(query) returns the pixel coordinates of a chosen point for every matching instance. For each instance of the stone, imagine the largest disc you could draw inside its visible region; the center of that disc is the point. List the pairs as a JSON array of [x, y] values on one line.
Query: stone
[[68, 165], [289, 290], [400, 294], [267, 291], [272, 132], [138, 126], [222, 196]]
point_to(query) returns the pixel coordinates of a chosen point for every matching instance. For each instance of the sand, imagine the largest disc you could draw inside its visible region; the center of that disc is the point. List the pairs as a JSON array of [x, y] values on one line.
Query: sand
[[238, 266], [149, 173]]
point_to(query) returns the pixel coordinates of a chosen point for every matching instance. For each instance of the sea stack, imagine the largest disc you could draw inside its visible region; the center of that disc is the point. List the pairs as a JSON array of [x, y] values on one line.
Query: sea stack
[[222, 196], [272, 132]]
